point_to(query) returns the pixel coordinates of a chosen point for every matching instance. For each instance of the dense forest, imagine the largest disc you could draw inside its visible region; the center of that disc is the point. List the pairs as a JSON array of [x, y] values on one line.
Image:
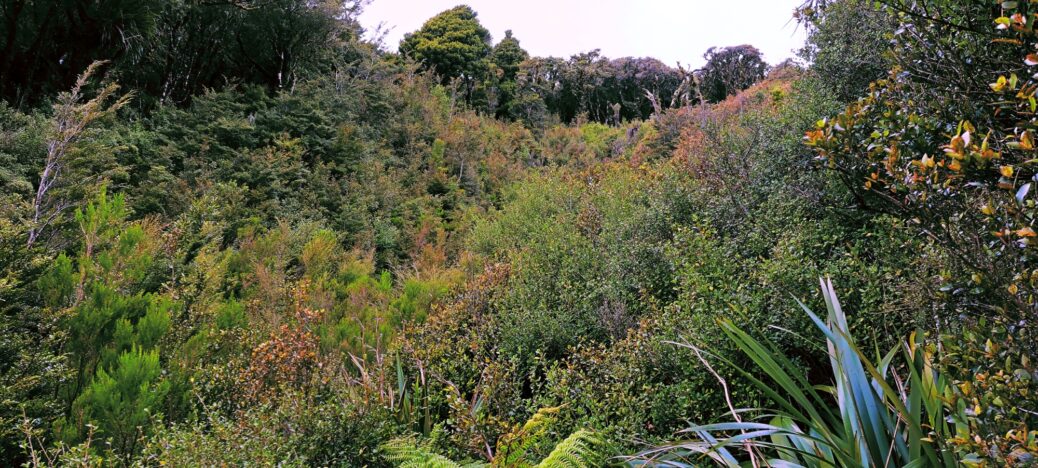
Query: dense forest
[[249, 233]]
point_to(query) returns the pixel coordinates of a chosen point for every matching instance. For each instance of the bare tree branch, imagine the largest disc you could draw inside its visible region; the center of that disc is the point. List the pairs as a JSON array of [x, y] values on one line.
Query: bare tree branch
[[71, 119]]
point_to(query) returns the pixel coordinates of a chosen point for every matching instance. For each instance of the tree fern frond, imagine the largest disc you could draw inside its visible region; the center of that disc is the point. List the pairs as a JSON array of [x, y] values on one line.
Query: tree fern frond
[[579, 450], [541, 418], [406, 453], [512, 447]]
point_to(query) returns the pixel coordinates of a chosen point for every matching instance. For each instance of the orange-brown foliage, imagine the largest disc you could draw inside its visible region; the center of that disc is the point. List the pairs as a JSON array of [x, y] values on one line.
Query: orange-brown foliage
[[289, 357]]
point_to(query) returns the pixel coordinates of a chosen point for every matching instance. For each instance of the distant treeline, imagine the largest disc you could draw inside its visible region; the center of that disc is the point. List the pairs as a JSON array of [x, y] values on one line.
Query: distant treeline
[[169, 51]]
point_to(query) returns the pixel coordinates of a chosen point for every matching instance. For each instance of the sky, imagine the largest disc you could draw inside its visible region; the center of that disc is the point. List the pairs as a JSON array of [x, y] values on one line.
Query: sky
[[670, 30]]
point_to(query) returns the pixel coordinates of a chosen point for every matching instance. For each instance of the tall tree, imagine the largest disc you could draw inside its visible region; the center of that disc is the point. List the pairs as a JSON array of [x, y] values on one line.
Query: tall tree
[[641, 85], [507, 56], [729, 70], [453, 44], [847, 44]]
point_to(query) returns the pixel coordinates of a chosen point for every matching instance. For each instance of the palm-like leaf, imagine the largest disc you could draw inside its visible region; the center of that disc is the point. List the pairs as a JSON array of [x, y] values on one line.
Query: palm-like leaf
[[870, 424]]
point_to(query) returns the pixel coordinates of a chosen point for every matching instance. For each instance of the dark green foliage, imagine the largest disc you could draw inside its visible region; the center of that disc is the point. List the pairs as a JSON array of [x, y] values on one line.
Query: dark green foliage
[[45, 45], [848, 46], [729, 70], [294, 431], [641, 86], [170, 50], [507, 56], [586, 258], [21, 153], [452, 43], [31, 370], [590, 86], [30, 374]]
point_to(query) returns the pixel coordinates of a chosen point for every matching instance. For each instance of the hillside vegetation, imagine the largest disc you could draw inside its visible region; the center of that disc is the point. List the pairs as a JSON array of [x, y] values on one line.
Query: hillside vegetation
[[239, 233]]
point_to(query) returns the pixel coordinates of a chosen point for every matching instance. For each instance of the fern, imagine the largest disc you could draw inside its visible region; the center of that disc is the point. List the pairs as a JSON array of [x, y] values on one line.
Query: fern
[[512, 448], [579, 450], [406, 453], [576, 451]]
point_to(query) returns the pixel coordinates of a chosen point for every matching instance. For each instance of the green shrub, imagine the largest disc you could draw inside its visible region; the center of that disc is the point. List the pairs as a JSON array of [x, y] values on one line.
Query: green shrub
[[294, 430], [122, 402], [115, 328]]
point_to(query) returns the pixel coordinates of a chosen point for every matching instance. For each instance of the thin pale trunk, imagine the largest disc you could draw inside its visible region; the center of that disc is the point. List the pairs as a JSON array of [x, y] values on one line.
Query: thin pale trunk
[[50, 172]]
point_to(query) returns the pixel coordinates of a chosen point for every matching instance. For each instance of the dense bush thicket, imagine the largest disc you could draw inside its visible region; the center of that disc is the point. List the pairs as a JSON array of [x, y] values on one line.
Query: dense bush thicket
[[234, 232]]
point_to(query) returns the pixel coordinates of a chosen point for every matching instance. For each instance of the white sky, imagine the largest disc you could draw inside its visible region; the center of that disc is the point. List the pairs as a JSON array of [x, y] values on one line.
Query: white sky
[[670, 30]]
